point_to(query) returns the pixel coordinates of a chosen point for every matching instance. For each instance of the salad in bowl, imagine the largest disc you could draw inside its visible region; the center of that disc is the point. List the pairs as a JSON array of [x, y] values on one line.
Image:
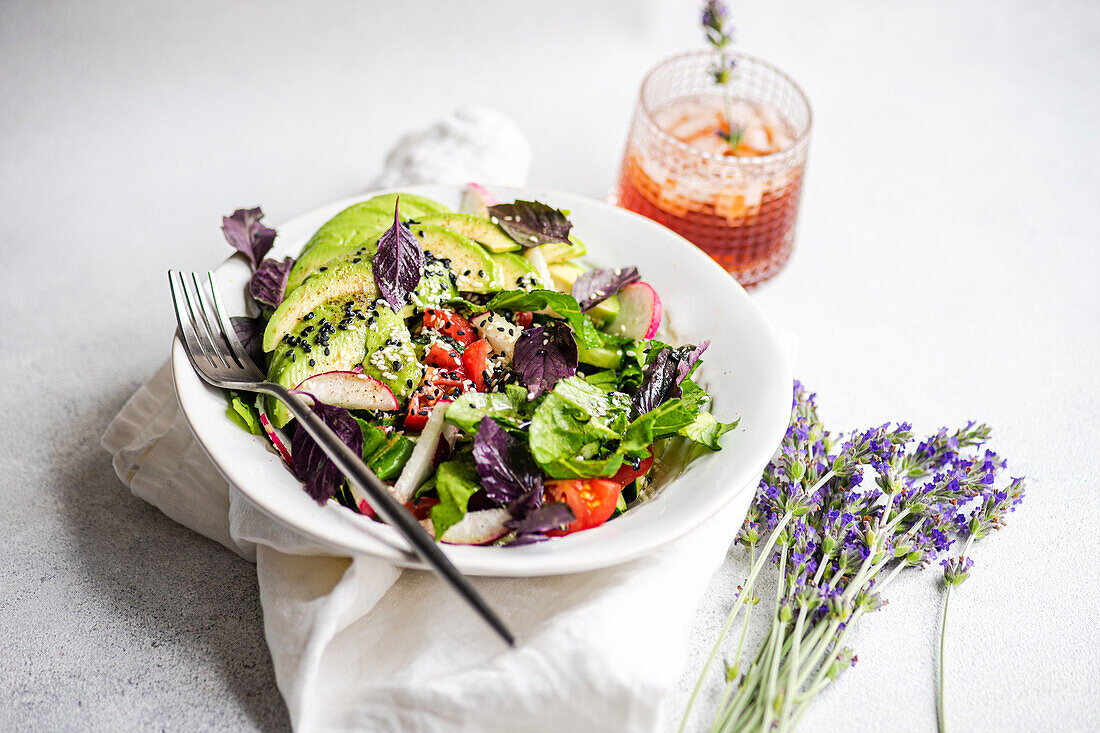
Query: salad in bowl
[[506, 393]]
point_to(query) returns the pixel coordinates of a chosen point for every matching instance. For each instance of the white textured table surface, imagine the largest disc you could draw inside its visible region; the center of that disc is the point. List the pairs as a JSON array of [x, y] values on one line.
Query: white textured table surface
[[946, 269]]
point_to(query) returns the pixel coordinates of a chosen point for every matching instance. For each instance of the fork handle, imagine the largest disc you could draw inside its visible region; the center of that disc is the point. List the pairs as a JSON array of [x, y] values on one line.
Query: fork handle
[[383, 502]]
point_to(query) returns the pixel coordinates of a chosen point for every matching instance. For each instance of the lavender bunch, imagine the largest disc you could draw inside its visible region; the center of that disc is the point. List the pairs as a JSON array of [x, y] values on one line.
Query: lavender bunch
[[838, 544], [719, 33]]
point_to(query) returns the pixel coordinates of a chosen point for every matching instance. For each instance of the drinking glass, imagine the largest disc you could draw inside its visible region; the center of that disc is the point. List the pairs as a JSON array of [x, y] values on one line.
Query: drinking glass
[[741, 208]]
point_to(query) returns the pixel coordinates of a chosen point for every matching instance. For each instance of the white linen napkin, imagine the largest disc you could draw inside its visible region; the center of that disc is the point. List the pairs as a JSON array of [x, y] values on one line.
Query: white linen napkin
[[358, 644]]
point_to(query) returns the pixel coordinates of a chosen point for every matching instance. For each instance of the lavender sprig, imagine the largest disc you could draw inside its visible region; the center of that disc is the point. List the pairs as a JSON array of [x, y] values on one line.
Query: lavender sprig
[[838, 545], [719, 33], [988, 516]]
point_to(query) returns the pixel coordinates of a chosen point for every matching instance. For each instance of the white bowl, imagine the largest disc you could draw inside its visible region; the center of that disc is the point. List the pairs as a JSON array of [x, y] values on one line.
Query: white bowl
[[746, 370]]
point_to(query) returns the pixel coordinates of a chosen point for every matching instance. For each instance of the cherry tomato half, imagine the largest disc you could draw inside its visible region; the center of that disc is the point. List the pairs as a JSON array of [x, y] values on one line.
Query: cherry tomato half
[[627, 473], [450, 324], [592, 500], [443, 356], [474, 359], [438, 386]]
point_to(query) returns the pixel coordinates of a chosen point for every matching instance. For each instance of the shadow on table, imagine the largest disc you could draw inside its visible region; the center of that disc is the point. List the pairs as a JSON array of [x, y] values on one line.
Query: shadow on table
[[183, 591]]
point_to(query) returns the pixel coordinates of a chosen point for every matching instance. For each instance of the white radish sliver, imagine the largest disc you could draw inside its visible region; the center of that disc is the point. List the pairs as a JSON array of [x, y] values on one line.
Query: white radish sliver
[[422, 460]]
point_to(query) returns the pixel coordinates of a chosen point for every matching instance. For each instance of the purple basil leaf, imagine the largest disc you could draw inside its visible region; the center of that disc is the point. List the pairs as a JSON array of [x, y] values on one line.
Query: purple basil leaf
[[543, 355], [244, 231], [528, 538], [595, 286], [555, 515], [507, 472], [658, 380], [531, 223], [313, 466], [661, 378], [527, 503], [250, 332], [688, 357], [399, 262], [268, 283]]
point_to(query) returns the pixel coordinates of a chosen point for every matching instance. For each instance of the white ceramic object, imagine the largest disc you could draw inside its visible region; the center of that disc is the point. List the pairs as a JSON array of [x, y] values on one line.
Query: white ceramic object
[[746, 370]]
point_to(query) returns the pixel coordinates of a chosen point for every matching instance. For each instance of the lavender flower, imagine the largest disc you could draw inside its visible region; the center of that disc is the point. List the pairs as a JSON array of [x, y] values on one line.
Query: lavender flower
[[839, 544], [716, 23], [956, 570], [718, 32]]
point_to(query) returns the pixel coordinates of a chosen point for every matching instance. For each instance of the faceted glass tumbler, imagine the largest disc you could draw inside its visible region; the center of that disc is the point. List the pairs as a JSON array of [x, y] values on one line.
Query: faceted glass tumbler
[[739, 209]]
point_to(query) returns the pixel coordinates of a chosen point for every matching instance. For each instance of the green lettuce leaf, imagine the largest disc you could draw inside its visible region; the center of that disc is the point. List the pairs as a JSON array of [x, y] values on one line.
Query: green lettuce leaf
[[705, 430], [468, 410], [243, 413], [455, 482], [562, 304], [575, 430]]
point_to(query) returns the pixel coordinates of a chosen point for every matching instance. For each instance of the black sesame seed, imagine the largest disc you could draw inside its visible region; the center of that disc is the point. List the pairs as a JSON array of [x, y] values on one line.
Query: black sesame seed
[[309, 316], [312, 362], [357, 260]]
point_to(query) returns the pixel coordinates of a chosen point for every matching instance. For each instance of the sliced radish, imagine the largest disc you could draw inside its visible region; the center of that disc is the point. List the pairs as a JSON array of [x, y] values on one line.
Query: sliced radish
[[277, 438], [353, 390], [639, 312], [537, 259], [422, 460], [476, 528], [476, 200]]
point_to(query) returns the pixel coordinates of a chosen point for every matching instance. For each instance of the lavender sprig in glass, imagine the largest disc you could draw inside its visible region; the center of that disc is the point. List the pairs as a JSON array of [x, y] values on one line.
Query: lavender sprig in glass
[[838, 545], [719, 33]]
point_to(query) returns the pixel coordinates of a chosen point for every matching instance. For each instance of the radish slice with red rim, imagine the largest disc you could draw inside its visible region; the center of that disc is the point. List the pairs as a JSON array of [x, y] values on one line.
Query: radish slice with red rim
[[476, 528]]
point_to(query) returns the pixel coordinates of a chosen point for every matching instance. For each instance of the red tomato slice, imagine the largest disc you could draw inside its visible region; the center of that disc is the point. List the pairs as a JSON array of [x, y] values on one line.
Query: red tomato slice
[[443, 356], [627, 474], [450, 324], [439, 385], [422, 507], [453, 382], [592, 500], [523, 318], [474, 359]]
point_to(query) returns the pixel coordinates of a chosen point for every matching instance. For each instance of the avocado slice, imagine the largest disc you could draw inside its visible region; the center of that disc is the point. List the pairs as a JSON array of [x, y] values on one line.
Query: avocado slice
[[437, 286], [358, 226], [474, 270], [328, 341], [481, 230], [342, 278], [565, 274], [346, 226], [519, 274], [560, 251], [600, 356], [390, 353], [412, 206], [364, 244]]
